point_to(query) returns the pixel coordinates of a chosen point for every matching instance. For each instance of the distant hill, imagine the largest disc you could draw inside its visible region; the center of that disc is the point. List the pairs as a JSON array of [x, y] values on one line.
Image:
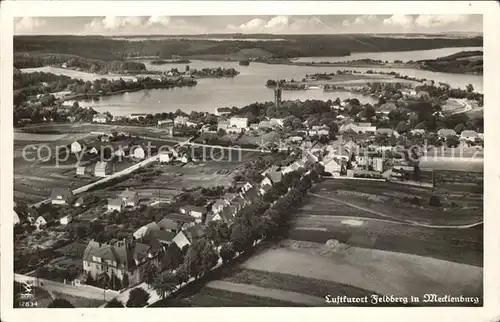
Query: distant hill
[[463, 62]]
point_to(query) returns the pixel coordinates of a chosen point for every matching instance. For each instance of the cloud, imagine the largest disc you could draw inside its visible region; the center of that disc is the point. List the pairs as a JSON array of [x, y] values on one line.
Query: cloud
[[431, 21], [278, 23], [253, 25], [28, 24], [399, 20], [159, 20]]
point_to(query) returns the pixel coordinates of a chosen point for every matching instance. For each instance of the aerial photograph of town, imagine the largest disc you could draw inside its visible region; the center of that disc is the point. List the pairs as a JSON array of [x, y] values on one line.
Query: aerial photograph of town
[[248, 161]]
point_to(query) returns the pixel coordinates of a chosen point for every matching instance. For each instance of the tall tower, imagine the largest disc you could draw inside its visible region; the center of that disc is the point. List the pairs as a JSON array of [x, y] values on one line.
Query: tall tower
[[277, 94]]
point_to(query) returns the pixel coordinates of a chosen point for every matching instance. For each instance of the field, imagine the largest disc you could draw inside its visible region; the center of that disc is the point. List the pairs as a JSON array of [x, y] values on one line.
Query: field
[[369, 242]]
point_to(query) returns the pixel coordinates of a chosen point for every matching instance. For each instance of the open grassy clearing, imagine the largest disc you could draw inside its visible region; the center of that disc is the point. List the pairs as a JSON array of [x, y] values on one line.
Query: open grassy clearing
[[393, 200], [376, 271], [320, 220]]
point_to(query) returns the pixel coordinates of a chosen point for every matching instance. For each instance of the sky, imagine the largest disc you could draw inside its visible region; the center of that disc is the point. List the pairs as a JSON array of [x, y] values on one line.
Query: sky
[[191, 25]]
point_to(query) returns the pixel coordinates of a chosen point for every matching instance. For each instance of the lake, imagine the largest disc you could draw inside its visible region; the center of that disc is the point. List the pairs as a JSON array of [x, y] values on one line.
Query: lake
[[392, 56], [249, 87]]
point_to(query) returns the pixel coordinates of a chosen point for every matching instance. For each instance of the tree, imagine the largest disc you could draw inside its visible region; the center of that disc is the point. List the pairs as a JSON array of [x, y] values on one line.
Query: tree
[[125, 281], [452, 141], [469, 88], [60, 303], [227, 252], [369, 111], [421, 126], [164, 284], [149, 273], [401, 128], [172, 257], [459, 128], [114, 303], [241, 236], [435, 201], [138, 297]]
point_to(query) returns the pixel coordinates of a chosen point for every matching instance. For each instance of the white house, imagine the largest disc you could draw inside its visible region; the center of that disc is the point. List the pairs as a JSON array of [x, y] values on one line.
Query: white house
[[332, 166], [166, 156], [100, 118], [115, 204], [167, 122], [66, 220], [196, 212], [191, 124], [222, 125], [61, 196], [149, 228], [129, 197], [77, 146], [276, 122], [102, 169], [138, 153], [40, 222], [80, 170], [181, 120], [238, 122], [468, 135]]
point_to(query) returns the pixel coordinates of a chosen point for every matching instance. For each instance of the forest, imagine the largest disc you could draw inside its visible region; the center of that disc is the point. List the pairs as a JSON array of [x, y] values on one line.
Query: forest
[[108, 49]]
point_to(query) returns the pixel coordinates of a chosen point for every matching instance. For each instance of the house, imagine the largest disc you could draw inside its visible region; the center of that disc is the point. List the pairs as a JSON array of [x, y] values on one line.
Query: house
[[265, 185], [115, 204], [16, 219], [80, 171], [188, 235], [61, 196], [121, 151], [238, 122], [196, 212], [42, 221], [275, 175], [418, 132], [387, 108], [387, 131], [254, 126], [100, 118], [124, 257], [129, 197], [218, 205], [323, 131], [183, 221], [468, 135], [332, 166], [152, 226], [222, 111], [64, 65], [81, 201], [136, 116], [164, 237], [191, 124], [265, 125], [166, 156], [443, 133], [222, 125], [276, 122], [138, 153], [167, 122], [252, 195], [358, 128], [66, 220], [180, 120], [77, 146], [169, 225], [246, 186], [102, 169]]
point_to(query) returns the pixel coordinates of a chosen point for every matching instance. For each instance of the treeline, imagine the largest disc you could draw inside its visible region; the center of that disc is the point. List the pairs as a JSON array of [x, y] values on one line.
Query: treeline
[[31, 60], [108, 49], [461, 62]]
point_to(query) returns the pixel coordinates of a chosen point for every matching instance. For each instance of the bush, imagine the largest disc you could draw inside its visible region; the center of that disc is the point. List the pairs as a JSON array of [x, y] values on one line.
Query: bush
[[435, 201]]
